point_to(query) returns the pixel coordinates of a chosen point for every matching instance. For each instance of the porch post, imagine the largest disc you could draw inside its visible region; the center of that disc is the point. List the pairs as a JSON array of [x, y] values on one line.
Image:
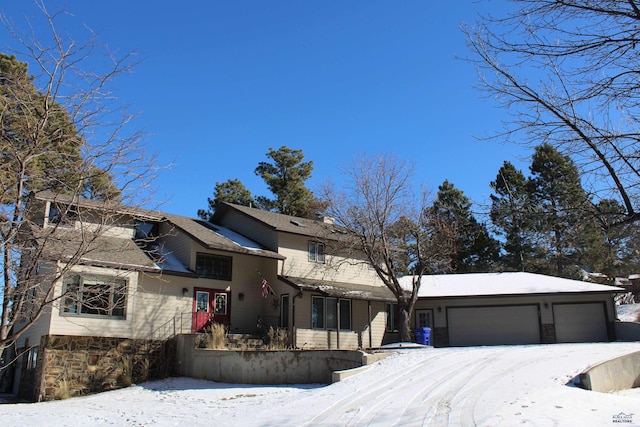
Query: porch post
[[369, 320], [338, 328]]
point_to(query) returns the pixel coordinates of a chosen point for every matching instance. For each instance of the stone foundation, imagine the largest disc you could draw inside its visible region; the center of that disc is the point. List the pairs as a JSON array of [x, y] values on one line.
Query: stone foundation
[[74, 366]]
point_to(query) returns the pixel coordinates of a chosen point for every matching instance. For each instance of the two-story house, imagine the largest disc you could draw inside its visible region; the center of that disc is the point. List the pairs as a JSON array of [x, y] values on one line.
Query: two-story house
[[328, 300], [120, 273]]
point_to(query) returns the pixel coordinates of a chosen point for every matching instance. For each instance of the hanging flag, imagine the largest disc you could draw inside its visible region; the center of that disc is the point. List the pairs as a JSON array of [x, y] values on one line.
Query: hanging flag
[[266, 289]]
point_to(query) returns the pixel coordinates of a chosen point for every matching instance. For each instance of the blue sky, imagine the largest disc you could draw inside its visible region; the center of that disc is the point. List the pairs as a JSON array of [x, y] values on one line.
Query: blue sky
[[221, 82]]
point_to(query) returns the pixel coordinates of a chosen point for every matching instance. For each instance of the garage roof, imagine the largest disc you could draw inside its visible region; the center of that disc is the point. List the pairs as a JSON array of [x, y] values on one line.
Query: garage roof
[[483, 284]]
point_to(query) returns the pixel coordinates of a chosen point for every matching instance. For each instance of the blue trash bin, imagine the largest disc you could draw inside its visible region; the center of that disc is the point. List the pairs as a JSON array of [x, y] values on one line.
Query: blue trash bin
[[423, 336]]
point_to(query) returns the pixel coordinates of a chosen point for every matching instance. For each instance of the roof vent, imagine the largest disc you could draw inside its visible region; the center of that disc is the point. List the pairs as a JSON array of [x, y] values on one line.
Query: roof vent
[[298, 223]]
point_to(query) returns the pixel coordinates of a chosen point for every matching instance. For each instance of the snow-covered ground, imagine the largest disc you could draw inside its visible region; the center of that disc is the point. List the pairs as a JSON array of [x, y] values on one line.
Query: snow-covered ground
[[484, 386], [628, 312]]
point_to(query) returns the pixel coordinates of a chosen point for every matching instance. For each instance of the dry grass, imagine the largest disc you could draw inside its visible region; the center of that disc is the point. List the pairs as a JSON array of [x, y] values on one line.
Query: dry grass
[[63, 390], [277, 338], [216, 337]]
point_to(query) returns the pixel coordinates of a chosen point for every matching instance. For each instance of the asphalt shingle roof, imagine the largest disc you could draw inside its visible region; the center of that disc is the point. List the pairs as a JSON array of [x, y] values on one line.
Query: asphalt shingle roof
[[341, 290]]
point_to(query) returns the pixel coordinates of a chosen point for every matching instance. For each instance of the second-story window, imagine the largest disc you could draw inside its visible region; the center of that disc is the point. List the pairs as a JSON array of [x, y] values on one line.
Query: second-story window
[[316, 251], [61, 215], [213, 266]]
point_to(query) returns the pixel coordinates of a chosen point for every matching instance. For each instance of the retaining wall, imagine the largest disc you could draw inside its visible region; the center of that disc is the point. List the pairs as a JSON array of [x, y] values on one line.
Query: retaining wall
[[627, 331], [264, 366], [620, 373], [73, 366]]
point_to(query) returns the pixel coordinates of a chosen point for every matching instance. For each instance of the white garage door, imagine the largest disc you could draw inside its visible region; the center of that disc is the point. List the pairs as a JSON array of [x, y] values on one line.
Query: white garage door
[[511, 324], [580, 322]]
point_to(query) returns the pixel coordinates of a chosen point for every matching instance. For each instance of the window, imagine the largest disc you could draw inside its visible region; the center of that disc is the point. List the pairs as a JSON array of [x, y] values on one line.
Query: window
[[213, 266], [220, 306], [95, 296], [202, 302], [32, 357], [316, 252], [284, 311], [317, 313], [423, 318], [62, 215], [393, 314], [324, 313]]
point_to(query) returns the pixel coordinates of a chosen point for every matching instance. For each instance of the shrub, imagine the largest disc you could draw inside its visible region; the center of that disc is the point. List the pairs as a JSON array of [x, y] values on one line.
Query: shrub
[[216, 338], [277, 338], [62, 391]]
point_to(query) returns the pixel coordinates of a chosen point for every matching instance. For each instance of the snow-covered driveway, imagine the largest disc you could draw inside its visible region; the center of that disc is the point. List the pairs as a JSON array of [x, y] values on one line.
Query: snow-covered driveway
[[484, 386]]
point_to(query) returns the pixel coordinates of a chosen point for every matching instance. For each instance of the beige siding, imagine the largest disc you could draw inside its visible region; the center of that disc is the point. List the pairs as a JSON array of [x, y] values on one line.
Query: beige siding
[[359, 335], [89, 221], [160, 308], [297, 264], [41, 326], [246, 279], [318, 338], [252, 229], [62, 324], [179, 244], [378, 323]]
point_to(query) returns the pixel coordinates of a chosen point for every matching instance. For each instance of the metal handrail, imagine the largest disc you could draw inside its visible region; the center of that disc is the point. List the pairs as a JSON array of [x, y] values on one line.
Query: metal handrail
[[174, 326]]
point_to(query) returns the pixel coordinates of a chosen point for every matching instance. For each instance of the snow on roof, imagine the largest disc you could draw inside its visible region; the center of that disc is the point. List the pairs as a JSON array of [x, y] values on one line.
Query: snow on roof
[[481, 284], [169, 262], [236, 238]]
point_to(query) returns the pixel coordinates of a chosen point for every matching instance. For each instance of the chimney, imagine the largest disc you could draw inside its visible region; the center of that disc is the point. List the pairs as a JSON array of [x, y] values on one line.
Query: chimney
[[325, 219]]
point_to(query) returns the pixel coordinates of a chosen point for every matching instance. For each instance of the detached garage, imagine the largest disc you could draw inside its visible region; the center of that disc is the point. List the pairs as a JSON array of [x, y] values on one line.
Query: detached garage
[[515, 308]]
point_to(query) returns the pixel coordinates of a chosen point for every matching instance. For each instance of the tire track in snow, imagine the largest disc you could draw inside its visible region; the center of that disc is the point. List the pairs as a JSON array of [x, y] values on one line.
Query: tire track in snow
[[455, 401], [437, 398], [384, 392]]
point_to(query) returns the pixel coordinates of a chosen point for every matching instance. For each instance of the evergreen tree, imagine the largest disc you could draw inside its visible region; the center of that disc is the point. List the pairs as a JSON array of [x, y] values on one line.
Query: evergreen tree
[[564, 224], [511, 217], [474, 249], [285, 177], [621, 257], [230, 191], [41, 147]]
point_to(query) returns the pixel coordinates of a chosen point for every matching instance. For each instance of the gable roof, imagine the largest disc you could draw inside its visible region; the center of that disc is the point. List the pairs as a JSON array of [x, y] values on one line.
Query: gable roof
[[65, 244], [216, 237], [108, 206], [121, 252], [281, 222], [494, 284]]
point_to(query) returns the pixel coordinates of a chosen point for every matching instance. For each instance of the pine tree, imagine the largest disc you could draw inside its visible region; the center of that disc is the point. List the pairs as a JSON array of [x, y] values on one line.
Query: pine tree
[[285, 177], [621, 256], [41, 147], [564, 224], [230, 191], [474, 250], [510, 214]]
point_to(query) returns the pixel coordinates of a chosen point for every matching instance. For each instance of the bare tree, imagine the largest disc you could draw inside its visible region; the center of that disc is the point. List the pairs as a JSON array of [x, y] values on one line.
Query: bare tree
[[389, 226], [567, 71], [62, 131]]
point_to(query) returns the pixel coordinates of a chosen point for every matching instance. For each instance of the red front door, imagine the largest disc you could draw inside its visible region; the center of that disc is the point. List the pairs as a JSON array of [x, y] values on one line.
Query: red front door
[[210, 306]]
